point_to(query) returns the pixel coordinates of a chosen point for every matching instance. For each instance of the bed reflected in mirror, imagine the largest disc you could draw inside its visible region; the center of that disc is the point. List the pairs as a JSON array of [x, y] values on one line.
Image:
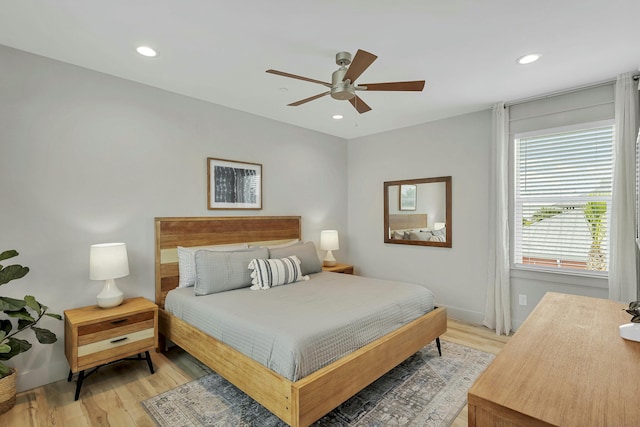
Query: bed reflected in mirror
[[418, 212]]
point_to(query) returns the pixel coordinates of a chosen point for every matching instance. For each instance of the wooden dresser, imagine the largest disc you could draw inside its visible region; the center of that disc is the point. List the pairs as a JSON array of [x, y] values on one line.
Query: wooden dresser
[[565, 366]]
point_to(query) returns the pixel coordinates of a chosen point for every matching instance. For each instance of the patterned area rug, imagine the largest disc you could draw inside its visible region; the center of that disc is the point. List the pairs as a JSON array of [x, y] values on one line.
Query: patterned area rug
[[424, 390]]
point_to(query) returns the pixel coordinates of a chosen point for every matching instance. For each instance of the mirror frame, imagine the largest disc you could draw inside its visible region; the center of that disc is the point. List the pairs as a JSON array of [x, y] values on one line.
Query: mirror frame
[[448, 215]]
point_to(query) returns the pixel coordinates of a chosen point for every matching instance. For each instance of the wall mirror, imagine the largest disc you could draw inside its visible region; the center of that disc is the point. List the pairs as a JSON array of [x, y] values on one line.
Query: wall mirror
[[418, 212]]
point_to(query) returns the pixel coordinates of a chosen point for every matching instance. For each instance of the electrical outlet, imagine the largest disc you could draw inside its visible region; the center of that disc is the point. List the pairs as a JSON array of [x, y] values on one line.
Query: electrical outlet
[[523, 299]]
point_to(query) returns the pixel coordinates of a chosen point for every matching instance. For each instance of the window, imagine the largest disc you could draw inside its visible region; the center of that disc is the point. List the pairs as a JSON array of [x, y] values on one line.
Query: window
[[563, 182]]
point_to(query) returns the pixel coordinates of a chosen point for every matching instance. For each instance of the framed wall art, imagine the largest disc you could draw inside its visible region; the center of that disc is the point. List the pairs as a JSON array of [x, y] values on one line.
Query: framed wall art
[[408, 197], [233, 185]]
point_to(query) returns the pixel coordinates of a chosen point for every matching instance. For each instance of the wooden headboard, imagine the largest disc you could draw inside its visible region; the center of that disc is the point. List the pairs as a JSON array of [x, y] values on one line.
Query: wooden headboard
[[405, 222], [204, 231]]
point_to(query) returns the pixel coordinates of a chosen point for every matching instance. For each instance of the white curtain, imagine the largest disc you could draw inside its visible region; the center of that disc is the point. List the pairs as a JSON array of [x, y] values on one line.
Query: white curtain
[[622, 261], [498, 307]]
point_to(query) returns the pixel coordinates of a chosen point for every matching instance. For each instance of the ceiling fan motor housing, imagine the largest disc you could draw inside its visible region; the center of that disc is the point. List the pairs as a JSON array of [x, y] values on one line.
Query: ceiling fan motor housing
[[340, 89]]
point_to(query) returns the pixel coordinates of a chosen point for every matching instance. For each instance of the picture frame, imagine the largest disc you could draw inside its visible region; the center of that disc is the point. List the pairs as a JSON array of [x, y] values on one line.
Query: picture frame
[[408, 197], [233, 185]]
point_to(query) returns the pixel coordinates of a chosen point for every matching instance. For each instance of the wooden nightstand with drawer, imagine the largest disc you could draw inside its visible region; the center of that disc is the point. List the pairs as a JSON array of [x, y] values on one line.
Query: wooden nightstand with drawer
[[340, 268], [95, 336]]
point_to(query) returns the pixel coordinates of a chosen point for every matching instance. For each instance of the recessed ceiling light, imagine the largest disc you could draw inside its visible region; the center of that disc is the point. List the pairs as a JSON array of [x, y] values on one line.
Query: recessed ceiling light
[[528, 59], [146, 51], [283, 89], [337, 116]]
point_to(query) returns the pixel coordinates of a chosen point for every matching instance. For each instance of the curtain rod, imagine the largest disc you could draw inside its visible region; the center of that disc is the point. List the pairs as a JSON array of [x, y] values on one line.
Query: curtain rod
[[559, 92], [565, 91]]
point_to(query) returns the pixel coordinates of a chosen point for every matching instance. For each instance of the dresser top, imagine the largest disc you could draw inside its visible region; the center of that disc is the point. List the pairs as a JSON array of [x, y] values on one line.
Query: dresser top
[[567, 365]]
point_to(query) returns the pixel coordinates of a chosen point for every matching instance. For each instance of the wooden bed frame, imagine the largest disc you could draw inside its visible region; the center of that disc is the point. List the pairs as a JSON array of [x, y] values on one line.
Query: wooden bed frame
[[407, 221], [297, 403]]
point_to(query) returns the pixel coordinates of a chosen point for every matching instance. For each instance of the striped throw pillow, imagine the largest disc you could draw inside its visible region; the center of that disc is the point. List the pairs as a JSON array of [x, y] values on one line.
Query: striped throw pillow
[[275, 272]]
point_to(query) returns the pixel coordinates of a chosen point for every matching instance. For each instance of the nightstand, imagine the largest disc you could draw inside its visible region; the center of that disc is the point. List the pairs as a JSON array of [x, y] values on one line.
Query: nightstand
[[340, 268], [95, 336]]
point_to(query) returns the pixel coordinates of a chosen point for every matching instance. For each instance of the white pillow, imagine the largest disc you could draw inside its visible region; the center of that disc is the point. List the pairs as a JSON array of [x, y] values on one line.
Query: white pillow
[[275, 272], [187, 260], [283, 245]]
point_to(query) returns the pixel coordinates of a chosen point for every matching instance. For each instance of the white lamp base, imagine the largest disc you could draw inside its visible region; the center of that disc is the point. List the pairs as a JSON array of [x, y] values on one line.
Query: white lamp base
[[630, 331], [329, 260], [110, 296]]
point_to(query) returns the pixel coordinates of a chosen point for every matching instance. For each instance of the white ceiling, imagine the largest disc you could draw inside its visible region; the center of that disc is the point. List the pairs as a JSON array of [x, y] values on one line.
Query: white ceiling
[[218, 51]]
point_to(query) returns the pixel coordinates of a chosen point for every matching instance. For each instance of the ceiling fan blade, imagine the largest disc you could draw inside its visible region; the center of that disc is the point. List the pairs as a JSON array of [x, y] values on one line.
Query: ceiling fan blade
[[359, 104], [293, 76], [416, 85], [311, 98], [360, 62]]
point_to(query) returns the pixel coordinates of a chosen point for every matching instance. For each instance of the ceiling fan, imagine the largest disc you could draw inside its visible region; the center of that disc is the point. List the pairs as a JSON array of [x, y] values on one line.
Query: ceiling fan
[[343, 86]]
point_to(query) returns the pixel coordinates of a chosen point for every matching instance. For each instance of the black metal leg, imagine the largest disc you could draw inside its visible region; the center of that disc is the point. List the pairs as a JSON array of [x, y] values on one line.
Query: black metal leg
[[79, 386], [82, 376], [438, 345], [149, 361]]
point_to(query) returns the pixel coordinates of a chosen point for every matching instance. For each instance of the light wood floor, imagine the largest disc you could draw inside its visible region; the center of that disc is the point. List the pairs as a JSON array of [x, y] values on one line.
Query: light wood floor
[[112, 395]]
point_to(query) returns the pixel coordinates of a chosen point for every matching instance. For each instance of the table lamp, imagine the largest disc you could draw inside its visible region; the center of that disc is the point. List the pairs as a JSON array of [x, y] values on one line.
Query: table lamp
[[329, 242], [108, 261]]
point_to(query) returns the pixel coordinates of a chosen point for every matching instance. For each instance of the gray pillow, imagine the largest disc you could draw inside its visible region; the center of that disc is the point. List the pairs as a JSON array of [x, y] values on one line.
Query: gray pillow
[[187, 261], [224, 271], [306, 252], [419, 236]]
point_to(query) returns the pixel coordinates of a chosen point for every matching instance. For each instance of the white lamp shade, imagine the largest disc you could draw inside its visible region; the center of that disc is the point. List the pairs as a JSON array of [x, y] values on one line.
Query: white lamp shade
[[108, 261], [329, 240]]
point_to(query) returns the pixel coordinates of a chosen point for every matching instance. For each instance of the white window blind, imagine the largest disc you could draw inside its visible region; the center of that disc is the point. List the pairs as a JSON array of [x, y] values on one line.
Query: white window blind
[[563, 199]]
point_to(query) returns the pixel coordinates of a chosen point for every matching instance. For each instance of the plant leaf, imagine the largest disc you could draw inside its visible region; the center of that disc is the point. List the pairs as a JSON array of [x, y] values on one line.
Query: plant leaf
[[11, 304], [5, 348], [17, 347], [45, 336], [20, 314], [32, 303], [636, 319], [4, 370], [634, 305], [6, 326], [12, 272], [8, 254], [54, 315], [23, 324]]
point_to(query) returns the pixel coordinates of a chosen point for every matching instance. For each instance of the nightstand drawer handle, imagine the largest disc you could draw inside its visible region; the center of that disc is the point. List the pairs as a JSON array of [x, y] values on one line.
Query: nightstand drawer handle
[[115, 322], [118, 340]]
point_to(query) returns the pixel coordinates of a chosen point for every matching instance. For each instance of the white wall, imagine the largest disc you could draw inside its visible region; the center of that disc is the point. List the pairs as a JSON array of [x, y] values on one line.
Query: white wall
[[88, 158], [458, 147]]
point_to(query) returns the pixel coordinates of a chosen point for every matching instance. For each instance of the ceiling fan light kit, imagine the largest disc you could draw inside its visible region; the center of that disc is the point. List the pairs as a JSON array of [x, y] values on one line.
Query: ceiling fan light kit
[[343, 86]]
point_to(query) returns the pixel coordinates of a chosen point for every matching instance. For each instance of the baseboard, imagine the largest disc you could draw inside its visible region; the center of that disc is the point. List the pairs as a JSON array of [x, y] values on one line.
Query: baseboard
[[463, 315], [475, 318], [41, 376]]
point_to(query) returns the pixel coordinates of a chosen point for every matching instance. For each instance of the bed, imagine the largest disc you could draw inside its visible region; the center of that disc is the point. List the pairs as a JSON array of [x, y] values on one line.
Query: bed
[[414, 227], [298, 402]]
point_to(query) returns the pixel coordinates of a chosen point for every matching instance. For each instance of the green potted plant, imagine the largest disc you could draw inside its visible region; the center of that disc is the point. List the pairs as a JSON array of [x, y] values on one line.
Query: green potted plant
[[26, 312], [634, 311]]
